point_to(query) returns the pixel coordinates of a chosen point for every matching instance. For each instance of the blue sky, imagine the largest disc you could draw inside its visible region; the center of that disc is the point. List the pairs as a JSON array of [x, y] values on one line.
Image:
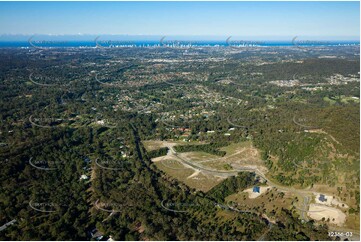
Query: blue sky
[[325, 19]]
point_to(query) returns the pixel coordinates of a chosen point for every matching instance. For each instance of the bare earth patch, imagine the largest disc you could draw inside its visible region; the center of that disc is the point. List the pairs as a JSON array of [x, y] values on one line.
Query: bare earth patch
[[319, 211]]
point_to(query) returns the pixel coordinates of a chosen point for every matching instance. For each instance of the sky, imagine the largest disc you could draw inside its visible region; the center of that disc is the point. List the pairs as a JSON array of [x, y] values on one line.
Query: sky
[[272, 19]]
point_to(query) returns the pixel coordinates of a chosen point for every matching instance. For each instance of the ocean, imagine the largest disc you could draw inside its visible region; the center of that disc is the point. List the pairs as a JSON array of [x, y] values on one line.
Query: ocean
[[140, 43]]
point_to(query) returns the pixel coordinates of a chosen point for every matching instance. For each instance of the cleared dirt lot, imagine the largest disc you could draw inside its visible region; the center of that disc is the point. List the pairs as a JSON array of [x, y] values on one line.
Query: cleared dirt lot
[[319, 211]]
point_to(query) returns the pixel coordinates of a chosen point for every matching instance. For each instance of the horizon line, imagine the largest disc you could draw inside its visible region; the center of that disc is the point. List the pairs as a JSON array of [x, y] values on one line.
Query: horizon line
[[183, 37]]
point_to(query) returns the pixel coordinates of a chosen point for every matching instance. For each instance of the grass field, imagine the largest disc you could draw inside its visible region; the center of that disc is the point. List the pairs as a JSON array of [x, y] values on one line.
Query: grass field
[[188, 176]]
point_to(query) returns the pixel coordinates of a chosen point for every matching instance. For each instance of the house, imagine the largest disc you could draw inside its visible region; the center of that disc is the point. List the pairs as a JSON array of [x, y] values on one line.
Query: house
[[322, 198], [256, 189], [124, 155], [96, 234], [84, 177], [101, 122]]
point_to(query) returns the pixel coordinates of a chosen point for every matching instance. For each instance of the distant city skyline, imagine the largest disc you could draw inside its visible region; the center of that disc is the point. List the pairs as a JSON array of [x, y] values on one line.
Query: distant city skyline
[[215, 20]]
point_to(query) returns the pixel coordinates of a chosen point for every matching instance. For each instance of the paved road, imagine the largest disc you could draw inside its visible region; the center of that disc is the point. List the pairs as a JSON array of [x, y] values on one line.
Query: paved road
[[186, 163], [7, 224]]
